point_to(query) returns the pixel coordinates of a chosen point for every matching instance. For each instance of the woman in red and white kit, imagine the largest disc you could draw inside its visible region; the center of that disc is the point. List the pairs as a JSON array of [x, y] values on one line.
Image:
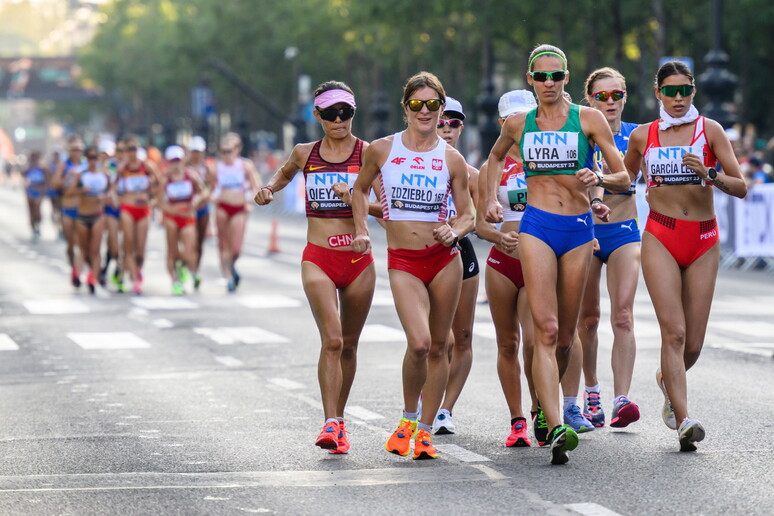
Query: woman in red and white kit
[[333, 275], [418, 171], [233, 176]]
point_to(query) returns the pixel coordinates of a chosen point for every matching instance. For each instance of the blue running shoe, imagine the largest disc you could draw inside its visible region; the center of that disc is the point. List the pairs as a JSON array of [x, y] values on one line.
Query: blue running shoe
[[592, 409], [576, 421]]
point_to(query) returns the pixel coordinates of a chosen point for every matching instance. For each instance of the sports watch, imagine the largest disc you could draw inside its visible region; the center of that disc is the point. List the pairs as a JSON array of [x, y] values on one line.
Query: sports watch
[[600, 179], [712, 174]]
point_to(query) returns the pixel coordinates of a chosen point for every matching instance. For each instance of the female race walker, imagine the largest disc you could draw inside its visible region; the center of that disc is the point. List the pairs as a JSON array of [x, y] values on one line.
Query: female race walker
[[35, 189], [460, 350], [505, 287], [91, 187], [110, 155], [681, 245], [556, 145], [136, 179], [619, 249], [196, 161], [331, 272], [417, 171], [233, 176], [63, 181], [181, 188]]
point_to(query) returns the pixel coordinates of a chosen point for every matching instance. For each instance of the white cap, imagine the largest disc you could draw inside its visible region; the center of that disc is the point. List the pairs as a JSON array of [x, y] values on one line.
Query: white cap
[[516, 101], [174, 152], [107, 147], [142, 154], [453, 106], [197, 143]]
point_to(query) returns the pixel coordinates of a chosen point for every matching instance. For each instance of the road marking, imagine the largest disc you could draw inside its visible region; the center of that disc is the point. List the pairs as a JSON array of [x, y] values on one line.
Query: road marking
[[753, 329], [7, 343], [226, 335], [269, 301], [383, 298], [362, 413], [764, 349], [163, 323], [286, 384], [484, 331], [164, 303], [105, 340], [381, 333], [229, 361], [460, 453], [55, 306], [591, 509]]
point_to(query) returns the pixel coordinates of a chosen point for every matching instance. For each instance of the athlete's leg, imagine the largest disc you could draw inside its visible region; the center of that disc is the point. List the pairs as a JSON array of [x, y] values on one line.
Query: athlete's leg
[[355, 304], [201, 234], [588, 323], [141, 237], [224, 245], [127, 229], [172, 247], [95, 245], [623, 273], [698, 288], [528, 342], [237, 227], [665, 286], [571, 281], [503, 295], [462, 349]]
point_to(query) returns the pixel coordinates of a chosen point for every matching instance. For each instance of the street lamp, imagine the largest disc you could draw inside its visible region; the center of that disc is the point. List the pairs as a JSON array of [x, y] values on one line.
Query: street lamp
[[717, 81]]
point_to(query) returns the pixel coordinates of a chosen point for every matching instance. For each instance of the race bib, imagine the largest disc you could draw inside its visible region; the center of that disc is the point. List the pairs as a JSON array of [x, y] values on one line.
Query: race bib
[[179, 190], [550, 150], [665, 166]]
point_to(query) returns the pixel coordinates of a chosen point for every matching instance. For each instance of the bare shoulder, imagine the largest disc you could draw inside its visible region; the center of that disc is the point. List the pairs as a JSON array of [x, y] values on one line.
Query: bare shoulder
[[379, 149], [713, 128]]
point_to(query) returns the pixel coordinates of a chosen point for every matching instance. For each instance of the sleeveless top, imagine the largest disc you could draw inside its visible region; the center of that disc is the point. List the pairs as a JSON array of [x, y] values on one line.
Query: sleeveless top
[[133, 181], [664, 164], [320, 175], [622, 144], [415, 185], [94, 183], [548, 153], [231, 177], [181, 190], [512, 192], [69, 166], [36, 176]]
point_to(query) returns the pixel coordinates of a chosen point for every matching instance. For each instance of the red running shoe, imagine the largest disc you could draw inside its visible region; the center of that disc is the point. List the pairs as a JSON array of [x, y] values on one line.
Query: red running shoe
[[329, 436], [518, 437], [343, 440]]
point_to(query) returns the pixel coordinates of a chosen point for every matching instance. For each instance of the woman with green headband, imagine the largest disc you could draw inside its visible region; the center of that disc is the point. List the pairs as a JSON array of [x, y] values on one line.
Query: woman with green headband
[[555, 142]]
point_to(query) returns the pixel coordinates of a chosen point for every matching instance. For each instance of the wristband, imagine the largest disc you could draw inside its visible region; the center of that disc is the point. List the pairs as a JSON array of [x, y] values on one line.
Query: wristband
[[600, 178], [596, 199], [456, 239], [269, 188]]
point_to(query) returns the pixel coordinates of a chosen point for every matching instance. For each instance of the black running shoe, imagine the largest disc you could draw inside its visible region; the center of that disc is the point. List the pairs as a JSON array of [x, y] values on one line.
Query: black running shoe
[[540, 427], [563, 439]]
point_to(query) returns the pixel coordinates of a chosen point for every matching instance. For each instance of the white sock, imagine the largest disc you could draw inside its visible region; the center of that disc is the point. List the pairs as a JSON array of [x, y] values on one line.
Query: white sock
[[411, 416], [331, 420], [569, 401], [593, 388], [426, 428]]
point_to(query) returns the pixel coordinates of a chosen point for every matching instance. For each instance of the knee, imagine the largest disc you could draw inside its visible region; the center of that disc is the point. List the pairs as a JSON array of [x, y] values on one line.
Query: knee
[[590, 320], [546, 333], [462, 339], [420, 350], [508, 348], [333, 345], [673, 337], [623, 320]]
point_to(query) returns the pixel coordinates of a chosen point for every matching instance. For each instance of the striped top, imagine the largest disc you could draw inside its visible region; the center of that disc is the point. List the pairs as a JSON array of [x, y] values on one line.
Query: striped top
[[321, 175]]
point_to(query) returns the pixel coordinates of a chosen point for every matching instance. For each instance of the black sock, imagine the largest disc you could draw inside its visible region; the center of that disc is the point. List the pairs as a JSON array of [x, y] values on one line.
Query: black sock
[[513, 421]]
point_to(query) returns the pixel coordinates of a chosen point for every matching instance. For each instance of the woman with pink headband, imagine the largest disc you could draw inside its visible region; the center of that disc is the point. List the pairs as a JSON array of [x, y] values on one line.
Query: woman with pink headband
[[333, 275], [418, 171]]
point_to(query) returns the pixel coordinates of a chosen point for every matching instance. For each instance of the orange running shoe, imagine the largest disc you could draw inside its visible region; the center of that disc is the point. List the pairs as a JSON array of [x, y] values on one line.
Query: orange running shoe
[[329, 437], [343, 440], [400, 440], [423, 446]]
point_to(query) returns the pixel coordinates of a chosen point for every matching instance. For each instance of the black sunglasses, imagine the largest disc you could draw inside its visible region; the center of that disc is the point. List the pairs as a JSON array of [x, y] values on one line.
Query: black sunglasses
[[557, 76], [332, 113], [453, 123]]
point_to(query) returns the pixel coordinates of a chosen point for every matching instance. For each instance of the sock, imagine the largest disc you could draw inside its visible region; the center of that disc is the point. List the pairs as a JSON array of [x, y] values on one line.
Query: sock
[[331, 420], [426, 428], [513, 421], [593, 388], [569, 401], [618, 398], [411, 416], [340, 419]]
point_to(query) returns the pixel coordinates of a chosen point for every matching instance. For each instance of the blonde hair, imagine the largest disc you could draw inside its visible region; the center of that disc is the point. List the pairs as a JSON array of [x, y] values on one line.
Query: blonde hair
[[602, 73]]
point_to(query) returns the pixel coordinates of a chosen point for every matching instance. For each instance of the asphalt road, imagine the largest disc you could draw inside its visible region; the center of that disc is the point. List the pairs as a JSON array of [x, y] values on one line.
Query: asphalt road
[[209, 404]]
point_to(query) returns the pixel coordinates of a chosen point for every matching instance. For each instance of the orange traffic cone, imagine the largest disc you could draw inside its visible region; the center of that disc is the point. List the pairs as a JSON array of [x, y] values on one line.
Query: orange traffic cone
[[273, 239]]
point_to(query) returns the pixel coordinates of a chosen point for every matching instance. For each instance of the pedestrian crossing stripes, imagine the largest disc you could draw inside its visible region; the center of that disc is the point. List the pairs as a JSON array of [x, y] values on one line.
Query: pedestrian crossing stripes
[[108, 340], [362, 413], [7, 343], [461, 453], [241, 334], [164, 303], [55, 306], [381, 333], [269, 301]]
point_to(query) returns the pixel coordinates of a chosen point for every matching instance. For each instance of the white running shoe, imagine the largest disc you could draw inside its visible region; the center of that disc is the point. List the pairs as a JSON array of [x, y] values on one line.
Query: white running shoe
[[443, 423], [667, 412], [690, 432]]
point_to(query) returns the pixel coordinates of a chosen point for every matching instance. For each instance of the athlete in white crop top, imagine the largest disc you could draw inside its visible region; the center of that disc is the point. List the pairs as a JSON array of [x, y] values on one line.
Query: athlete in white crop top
[[418, 172]]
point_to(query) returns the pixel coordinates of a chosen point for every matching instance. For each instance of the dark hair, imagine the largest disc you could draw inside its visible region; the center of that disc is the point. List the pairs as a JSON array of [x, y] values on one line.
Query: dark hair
[[602, 73], [332, 85], [671, 68], [550, 49], [423, 80], [91, 149]]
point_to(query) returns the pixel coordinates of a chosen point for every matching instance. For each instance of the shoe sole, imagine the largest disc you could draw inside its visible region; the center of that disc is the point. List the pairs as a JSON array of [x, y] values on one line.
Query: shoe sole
[[327, 443], [443, 431], [520, 443], [666, 411], [424, 456], [396, 452], [590, 419], [693, 435], [627, 415]]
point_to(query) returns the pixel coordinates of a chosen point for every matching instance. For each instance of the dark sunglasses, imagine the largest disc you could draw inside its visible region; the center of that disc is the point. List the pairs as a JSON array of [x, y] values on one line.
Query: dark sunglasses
[[672, 91], [332, 113], [76, 149], [453, 123], [556, 76], [91, 156], [131, 148], [227, 151], [602, 96], [416, 104]]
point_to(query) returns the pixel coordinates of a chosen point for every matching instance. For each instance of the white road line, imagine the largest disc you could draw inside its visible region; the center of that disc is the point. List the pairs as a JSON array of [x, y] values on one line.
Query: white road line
[[7, 343], [362, 413], [381, 333], [383, 298], [163, 323], [286, 383], [484, 331], [460, 453], [55, 306], [229, 361], [269, 301], [116, 340], [754, 329], [164, 303], [226, 335], [591, 509]]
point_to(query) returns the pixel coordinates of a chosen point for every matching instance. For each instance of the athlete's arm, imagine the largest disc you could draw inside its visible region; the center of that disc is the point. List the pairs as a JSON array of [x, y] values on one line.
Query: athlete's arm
[[285, 174], [487, 230], [252, 175], [512, 126], [633, 157], [58, 179], [730, 180], [458, 170], [617, 178], [74, 188], [373, 157]]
